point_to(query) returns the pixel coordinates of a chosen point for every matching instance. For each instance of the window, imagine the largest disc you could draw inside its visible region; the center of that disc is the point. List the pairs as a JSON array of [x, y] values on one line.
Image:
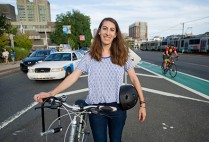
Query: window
[[66, 57], [74, 57], [182, 43], [194, 41]]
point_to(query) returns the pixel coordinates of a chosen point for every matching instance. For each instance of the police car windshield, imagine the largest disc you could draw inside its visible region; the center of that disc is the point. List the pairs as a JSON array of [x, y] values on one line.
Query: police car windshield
[[59, 57]]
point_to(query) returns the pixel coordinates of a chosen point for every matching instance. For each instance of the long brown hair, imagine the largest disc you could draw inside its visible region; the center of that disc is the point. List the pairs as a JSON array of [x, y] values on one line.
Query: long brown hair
[[118, 50]]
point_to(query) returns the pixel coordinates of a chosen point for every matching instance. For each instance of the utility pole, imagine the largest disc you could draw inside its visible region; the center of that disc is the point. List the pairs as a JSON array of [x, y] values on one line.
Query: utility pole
[[47, 46], [183, 30]]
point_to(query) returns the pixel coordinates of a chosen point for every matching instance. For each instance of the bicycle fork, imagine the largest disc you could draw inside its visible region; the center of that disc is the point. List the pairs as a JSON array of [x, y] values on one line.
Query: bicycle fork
[[82, 133], [77, 131]]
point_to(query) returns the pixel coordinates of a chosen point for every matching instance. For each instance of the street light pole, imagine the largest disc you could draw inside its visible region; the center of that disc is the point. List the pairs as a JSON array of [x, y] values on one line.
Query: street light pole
[[183, 30]]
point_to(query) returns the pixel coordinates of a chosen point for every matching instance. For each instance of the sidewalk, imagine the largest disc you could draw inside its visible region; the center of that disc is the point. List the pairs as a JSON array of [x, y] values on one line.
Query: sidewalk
[[9, 68]]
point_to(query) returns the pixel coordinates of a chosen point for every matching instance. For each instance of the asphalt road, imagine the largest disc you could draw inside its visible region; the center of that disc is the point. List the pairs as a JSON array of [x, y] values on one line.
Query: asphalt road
[[193, 64], [174, 113]]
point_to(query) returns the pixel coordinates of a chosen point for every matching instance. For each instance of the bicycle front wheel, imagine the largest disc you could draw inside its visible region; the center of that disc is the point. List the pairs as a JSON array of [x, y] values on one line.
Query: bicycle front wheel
[[173, 70]]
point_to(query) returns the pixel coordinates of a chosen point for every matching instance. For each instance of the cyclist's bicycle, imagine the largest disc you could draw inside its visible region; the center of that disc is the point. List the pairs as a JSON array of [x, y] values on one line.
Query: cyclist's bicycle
[[170, 66], [77, 113]]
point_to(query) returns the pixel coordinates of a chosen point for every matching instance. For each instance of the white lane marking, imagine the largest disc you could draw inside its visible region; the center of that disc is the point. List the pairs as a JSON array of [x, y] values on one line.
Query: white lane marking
[[18, 114], [83, 75], [172, 95], [73, 92], [15, 116], [181, 85], [195, 77], [178, 71], [165, 126], [154, 76]]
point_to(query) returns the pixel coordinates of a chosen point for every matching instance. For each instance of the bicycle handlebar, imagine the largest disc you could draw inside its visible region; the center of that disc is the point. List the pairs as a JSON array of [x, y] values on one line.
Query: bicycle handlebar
[[80, 106], [56, 102]]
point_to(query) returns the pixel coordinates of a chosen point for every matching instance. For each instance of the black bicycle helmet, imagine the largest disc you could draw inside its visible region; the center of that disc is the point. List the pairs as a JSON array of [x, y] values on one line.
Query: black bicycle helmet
[[128, 96]]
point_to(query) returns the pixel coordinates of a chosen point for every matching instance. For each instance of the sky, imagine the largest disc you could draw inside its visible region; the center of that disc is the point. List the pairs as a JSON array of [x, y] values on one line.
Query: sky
[[163, 17]]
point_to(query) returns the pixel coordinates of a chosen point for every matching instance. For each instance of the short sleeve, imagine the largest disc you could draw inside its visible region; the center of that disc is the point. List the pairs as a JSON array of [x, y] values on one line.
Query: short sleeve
[[83, 65], [128, 65]]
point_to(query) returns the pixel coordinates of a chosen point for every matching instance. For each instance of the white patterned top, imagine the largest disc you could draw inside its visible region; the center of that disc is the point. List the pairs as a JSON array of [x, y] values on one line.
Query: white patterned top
[[104, 78]]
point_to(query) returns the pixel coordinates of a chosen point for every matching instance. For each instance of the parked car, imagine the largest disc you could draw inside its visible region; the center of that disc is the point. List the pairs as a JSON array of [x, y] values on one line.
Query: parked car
[[34, 57], [85, 49], [56, 66]]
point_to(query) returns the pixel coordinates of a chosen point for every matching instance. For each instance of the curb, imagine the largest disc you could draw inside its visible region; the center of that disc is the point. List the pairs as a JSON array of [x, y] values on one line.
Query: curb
[[8, 71]]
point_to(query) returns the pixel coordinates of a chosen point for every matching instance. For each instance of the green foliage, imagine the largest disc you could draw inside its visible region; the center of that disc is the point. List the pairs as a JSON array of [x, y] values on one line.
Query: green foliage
[[80, 25], [4, 41], [207, 33], [5, 25], [23, 41], [72, 43], [21, 53]]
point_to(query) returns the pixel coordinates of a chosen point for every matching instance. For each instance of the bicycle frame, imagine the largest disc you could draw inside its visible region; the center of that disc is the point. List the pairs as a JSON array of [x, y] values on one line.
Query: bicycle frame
[[78, 130]]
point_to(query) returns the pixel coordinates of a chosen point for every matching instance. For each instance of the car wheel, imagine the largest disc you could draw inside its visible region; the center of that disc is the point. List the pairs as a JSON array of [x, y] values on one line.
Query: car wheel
[[68, 72]]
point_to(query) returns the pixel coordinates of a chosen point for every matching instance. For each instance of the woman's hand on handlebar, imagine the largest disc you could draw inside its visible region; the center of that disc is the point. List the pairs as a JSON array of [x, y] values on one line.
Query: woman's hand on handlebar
[[40, 96]]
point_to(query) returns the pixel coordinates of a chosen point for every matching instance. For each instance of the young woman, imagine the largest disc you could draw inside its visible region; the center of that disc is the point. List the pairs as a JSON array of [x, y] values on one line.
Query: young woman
[[5, 54], [105, 64]]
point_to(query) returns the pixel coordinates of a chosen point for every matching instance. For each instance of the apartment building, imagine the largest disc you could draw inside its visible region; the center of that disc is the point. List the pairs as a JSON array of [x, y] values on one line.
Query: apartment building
[[9, 11], [138, 33]]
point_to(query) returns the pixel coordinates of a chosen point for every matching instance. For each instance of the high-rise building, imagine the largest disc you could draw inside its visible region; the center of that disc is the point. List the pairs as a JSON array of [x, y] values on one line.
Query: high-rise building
[[8, 11], [138, 31], [35, 11]]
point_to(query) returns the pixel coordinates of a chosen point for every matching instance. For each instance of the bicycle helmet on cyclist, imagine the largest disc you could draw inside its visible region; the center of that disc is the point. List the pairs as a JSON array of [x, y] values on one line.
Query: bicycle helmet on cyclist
[[128, 96], [171, 46]]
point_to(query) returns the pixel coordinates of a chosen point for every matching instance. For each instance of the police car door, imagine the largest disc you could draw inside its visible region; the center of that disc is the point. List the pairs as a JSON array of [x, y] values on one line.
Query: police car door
[[75, 60]]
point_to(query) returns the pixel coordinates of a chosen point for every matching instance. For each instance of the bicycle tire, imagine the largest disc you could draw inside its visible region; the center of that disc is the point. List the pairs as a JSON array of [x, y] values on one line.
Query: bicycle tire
[[173, 70]]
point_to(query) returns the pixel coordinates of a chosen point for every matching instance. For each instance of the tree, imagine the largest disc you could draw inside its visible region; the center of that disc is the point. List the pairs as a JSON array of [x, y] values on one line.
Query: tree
[[4, 40], [23, 41], [206, 33], [5, 25], [5, 30], [80, 25]]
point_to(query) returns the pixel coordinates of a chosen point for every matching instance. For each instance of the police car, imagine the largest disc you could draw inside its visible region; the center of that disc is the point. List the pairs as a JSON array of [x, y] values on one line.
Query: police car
[[56, 66]]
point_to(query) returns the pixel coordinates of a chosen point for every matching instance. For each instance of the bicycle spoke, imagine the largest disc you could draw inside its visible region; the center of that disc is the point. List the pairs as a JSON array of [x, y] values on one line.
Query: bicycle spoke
[[173, 70]]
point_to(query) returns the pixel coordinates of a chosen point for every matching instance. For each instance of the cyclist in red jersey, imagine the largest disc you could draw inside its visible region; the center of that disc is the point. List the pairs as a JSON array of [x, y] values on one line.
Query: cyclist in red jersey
[[167, 54]]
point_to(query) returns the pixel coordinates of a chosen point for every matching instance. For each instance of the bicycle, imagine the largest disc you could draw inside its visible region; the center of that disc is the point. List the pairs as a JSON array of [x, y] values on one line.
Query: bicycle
[[77, 129], [170, 66]]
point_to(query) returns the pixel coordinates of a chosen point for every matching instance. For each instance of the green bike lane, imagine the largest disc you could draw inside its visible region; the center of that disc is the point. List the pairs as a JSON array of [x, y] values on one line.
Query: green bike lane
[[192, 83]]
